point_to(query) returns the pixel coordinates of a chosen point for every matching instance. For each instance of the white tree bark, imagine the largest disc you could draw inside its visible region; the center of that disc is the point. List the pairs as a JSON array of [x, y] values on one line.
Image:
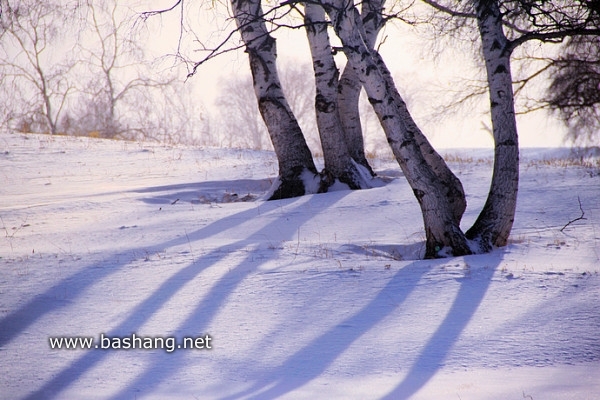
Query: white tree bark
[[296, 165], [338, 162], [349, 86], [495, 221], [443, 234], [452, 185]]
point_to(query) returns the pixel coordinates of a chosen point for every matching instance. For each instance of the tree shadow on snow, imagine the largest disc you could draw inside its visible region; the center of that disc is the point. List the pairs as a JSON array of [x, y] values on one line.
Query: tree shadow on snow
[[470, 295], [16, 322], [310, 361], [206, 192], [160, 368]]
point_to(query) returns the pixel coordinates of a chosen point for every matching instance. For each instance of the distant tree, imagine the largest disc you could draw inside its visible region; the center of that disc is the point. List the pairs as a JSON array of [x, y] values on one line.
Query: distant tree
[[75, 67], [240, 123], [33, 71], [119, 81]]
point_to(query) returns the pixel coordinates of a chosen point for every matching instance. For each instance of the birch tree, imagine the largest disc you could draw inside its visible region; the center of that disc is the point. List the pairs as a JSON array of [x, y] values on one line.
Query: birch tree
[[524, 20], [437, 197], [297, 172], [338, 161], [349, 85], [495, 221]]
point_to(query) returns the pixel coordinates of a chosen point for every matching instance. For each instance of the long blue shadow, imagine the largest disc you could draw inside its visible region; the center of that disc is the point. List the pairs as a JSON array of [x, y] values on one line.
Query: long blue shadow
[[161, 368], [204, 312], [17, 321], [333, 343], [470, 295]]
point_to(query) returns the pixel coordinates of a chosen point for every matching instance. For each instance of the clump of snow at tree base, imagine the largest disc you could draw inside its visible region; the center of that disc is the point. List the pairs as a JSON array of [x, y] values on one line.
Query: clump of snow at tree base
[[321, 296]]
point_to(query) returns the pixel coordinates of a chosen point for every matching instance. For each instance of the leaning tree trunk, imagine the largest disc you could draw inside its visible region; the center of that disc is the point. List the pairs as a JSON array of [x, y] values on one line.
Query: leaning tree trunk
[[338, 162], [452, 185], [371, 16], [495, 221], [296, 166], [349, 85], [443, 234]]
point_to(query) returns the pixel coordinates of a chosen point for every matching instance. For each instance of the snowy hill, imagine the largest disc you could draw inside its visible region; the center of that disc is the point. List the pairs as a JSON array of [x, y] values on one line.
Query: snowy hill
[[323, 296]]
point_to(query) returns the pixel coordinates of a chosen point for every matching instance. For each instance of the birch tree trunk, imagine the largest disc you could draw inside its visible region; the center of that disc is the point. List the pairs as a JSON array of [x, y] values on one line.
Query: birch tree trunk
[[443, 234], [297, 170], [495, 221], [349, 86], [338, 162], [452, 185]]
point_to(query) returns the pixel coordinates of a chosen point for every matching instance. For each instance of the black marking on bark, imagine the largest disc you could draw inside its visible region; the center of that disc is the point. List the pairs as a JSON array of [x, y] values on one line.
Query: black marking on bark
[[385, 117], [368, 17], [291, 184], [496, 45], [273, 86], [351, 178], [501, 69], [508, 142], [494, 104], [374, 101], [256, 64], [333, 81], [370, 68], [267, 44], [322, 105]]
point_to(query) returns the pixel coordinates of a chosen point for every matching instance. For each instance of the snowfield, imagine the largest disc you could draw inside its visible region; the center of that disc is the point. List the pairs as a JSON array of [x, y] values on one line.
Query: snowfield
[[323, 296]]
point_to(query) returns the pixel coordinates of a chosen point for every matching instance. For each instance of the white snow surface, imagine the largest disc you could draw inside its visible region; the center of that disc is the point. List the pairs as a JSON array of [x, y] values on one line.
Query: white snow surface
[[319, 297]]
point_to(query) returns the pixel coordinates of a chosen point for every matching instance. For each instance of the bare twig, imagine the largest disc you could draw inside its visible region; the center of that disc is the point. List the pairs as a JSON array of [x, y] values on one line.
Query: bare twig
[[576, 219]]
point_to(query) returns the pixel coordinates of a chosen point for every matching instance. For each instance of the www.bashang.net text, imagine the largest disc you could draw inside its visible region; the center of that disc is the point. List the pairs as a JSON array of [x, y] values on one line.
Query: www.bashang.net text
[[131, 342]]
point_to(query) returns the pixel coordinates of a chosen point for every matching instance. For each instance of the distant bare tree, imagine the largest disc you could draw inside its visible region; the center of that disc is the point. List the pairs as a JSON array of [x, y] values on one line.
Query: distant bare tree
[[240, 122], [121, 79], [34, 73]]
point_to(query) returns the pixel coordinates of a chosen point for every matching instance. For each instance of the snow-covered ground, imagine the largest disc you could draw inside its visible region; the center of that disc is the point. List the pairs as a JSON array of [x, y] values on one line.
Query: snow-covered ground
[[322, 296]]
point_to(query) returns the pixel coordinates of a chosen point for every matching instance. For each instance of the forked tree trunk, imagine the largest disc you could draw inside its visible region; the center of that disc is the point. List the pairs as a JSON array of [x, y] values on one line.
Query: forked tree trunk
[[349, 86], [338, 162], [495, 221], [296, 166], [443, 234]]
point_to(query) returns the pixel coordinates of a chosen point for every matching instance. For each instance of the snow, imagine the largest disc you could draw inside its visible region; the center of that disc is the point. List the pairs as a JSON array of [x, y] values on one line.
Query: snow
[[323, 296]]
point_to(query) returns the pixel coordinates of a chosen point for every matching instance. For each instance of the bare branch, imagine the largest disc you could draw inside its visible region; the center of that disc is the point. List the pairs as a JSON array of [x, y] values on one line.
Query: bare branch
[[553, 37], [576, 219]]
